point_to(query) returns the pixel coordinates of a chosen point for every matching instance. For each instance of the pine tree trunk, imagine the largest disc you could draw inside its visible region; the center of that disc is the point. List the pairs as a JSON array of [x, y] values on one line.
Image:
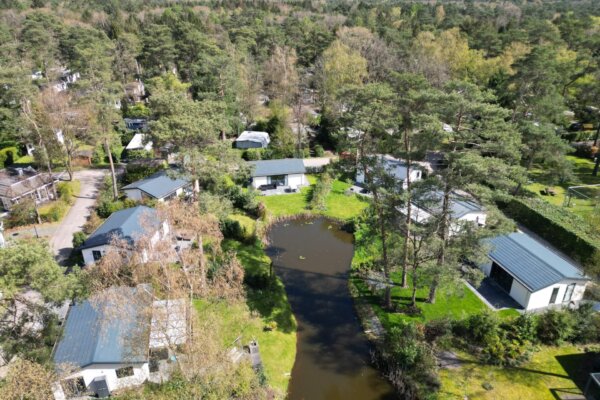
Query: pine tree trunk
[[443, 233], [408, 220], [113, 175]]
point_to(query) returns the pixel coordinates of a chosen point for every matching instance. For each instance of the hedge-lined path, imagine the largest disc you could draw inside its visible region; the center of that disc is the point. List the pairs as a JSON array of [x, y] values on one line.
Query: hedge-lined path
[[61, 241]]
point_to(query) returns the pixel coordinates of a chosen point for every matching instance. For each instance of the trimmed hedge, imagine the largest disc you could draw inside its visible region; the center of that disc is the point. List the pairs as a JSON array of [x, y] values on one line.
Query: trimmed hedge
[[566, 231], [8, 156]]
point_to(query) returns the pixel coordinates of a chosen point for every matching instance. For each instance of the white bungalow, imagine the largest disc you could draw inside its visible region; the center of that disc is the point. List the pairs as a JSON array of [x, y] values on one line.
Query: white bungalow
[[288, 173], [535, 275], [159, 186], [252, 140], [129, 225], [395, 168], [117, 339], [138, 142], [463, 210]]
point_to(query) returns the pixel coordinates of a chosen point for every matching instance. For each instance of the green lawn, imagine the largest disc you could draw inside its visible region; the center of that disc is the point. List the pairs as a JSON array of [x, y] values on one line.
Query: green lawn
[[582, 170], [339, 205], [547, 376], [278, 347]]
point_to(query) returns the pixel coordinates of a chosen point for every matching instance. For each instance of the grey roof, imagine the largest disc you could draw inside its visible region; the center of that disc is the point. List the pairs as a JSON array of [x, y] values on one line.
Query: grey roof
[[15, 182], [110, 328], [532, 263], [285, 166], [459, 205], [127, 224], [254, 136], [158, 185]]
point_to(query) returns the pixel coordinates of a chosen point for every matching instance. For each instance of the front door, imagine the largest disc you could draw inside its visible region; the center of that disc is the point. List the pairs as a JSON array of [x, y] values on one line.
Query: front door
[[554, 295]]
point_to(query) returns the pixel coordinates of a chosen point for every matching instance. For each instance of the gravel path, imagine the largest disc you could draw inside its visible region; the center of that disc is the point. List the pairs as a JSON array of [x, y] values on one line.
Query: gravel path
[[61, 241]]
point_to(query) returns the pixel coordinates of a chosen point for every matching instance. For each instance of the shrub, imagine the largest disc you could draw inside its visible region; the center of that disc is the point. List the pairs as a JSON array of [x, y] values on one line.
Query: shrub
[[245, 200], [483, 325], [500, 350], [586, 326], [54, 211], [8, 156], [93, 222], [22, 213], [66, 190], [140, 170], [554, 327], [524, 327], [137, 154], [138, 110], [252, 154], [107, 207], [232, 229], [437, 328], [320, 192], [78, 239], [319, 151]]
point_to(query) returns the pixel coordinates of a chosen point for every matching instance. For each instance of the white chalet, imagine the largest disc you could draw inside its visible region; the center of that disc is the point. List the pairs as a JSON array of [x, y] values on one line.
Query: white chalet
[[395, 168]]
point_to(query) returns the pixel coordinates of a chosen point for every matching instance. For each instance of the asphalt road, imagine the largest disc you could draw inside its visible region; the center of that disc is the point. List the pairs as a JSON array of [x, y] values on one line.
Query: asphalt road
[[61, 241]]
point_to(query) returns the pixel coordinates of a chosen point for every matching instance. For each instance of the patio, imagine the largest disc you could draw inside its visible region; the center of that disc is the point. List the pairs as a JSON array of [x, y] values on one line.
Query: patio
[[494, 296], [278, 190]]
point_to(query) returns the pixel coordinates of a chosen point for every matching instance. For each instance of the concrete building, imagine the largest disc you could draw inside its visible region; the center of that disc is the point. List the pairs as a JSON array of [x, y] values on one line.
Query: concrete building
[[535, 275]]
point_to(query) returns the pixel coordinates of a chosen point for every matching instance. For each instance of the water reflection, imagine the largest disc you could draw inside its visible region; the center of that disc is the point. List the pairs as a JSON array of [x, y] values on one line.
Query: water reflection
[[313, 259]]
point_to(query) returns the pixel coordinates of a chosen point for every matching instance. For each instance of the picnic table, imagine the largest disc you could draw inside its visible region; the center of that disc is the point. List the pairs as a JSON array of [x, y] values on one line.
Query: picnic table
[[550, 191]]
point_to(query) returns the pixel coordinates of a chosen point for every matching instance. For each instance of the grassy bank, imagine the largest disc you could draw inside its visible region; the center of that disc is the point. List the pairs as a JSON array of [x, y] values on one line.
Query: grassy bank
[[582, 175], [552, 373], [264, 307], [339, 205]]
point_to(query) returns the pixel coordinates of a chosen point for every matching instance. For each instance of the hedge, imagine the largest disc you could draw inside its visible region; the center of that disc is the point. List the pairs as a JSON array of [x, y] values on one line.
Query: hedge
[[8, 156], [566, 231]]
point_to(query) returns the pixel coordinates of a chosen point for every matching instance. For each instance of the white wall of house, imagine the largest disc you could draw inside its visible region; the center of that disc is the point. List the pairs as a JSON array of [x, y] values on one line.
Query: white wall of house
[[296, 180], [541, 298], [258, 181], [520, 293], [88, 255], [141, 373]]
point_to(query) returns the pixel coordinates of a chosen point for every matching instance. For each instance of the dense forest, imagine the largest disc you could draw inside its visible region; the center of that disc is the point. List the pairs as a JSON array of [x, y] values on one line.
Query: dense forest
[[503, 95]]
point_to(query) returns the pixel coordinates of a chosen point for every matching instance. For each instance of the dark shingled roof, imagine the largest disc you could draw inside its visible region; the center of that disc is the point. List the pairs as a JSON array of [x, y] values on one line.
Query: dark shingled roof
[[127, 224], [530, 262], [158, 185], [285, 166], [110, 328]]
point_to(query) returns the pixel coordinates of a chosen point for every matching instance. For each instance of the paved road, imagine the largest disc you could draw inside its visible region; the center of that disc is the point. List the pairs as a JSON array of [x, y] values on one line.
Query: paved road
[[62, 240]]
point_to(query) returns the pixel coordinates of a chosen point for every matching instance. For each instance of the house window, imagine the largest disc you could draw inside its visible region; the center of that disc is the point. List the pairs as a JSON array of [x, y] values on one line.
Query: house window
[[97, 254], [74, 387], [554, 295], [124, 372], [278, 180], [569, 293]]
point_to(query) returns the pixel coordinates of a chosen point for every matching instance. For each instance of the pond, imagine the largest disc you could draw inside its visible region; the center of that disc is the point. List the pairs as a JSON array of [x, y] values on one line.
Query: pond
[[313, 258]]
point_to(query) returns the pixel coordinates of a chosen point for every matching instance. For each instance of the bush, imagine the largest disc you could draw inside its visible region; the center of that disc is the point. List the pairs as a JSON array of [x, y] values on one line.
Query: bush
[[54, 211], [568, 232], [138, 110], [232, 229], [320, 192], [107, 207], [245, 200], [21, 214], [140, 170], [586, 327], [483, 325], [8, 156], [554, 327], [524, 327], [66, 190], [78, 239], [584, 150], [319, 151], [252, 154], [136, 154]]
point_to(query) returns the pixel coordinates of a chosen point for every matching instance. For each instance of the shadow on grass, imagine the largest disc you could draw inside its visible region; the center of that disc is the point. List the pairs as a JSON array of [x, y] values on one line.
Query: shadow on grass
[[579, 366], [270, 300]]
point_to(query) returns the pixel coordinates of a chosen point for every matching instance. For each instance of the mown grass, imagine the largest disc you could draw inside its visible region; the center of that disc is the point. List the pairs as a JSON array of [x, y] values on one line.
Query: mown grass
[[278, 347], [339, 205], [552, 373], [582, 175], [451, 302]]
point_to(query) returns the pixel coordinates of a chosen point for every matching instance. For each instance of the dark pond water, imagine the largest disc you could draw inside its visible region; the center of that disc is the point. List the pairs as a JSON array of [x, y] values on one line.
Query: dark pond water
[[313, 260]]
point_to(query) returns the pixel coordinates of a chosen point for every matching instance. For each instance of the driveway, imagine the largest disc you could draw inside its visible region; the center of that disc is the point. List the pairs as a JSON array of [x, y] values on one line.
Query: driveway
[[62, 240]]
